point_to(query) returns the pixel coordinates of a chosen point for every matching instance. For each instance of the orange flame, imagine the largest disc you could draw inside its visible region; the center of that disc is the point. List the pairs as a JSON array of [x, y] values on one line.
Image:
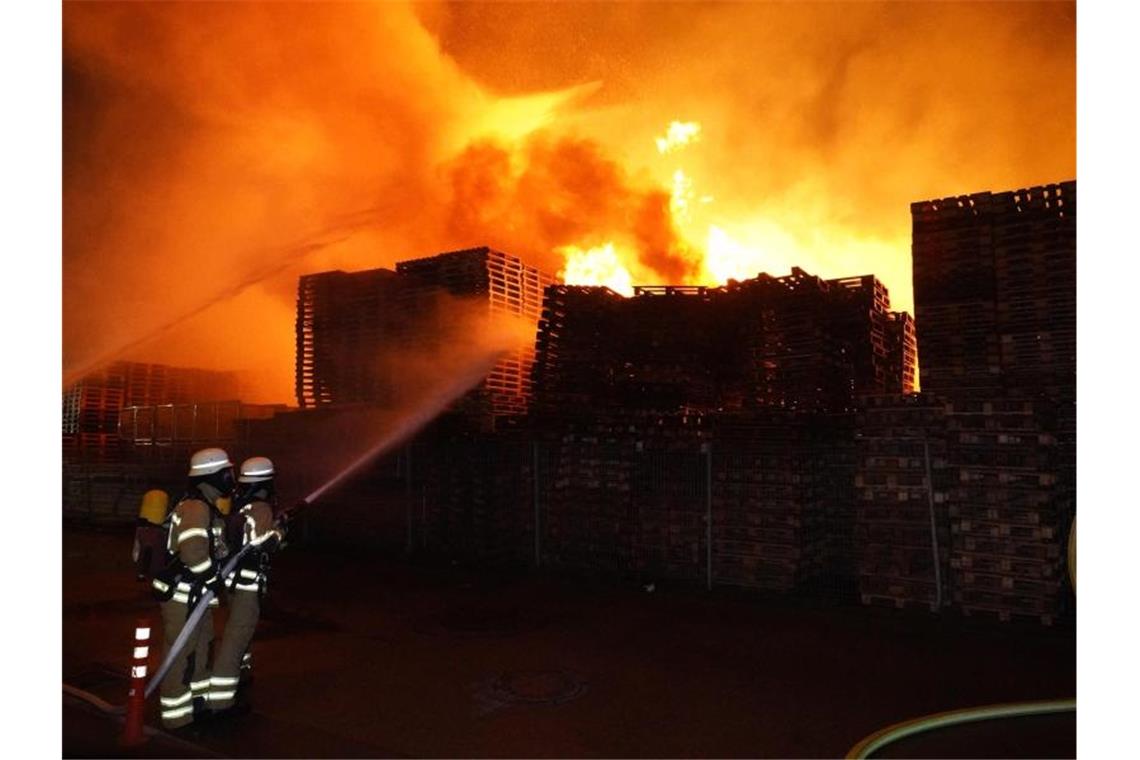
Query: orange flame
[[596, 266]]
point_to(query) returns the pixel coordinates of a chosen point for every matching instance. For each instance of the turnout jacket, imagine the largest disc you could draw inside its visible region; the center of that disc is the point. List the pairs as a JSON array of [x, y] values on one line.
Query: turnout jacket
[[193, 540], [253, 525]]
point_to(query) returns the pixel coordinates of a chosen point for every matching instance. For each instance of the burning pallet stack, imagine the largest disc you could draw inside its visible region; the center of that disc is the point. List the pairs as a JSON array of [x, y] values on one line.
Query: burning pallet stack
[[677, 349], [797, 357], [1006, 517], [902, 485], [574, 354], [790, 342]]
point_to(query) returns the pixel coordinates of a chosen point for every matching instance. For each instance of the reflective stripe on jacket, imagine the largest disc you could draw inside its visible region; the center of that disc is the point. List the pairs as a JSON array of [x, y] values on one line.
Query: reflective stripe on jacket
[[191, 539]]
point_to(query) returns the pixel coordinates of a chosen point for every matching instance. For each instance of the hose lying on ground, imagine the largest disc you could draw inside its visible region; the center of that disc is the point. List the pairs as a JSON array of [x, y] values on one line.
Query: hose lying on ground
[[116, 712], [876, 741]]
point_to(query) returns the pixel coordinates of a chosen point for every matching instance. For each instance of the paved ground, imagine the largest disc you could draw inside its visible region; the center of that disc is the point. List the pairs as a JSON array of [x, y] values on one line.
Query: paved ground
[[371, 656]]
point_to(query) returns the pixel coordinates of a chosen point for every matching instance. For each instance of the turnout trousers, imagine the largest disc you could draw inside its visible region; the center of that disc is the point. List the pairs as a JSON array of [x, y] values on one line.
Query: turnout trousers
[[245, 607], [189, 676]]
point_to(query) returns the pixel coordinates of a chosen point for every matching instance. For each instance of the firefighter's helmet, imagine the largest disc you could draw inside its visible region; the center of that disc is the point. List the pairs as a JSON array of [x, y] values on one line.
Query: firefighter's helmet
[[256, 470], [154, 505], [208, 462]]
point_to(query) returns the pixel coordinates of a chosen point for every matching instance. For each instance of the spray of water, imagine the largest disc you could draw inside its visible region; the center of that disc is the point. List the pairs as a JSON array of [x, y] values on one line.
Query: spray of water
[[413, 420], [282, 259]]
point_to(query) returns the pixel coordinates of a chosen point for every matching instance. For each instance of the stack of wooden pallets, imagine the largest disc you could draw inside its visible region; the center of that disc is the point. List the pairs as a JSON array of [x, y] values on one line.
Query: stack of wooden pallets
[[1034, 241], [902, 353], [575, 358], [354, 329], [832, 453], [345, 322], [1006, 516], [861, 315], [675, 350], [585, 495], [794, 342], [769, 520], [92, 407], [796, 357], [996, 317], [901, 521], [954, 292], [475, 497], [670, 496], [510, 287]]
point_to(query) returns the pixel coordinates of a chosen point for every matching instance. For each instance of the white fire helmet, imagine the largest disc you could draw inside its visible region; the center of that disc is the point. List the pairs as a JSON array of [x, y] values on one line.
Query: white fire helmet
[[209, 461], [256, 470]]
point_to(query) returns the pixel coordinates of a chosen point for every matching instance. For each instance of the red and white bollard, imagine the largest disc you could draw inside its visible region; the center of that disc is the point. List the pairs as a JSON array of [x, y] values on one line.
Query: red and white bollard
[[136, 699]]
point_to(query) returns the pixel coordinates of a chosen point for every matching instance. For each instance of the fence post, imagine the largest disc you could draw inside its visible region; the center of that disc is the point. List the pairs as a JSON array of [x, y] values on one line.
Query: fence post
[[537, 510], [933, 524], [408, 494], [707, 448]]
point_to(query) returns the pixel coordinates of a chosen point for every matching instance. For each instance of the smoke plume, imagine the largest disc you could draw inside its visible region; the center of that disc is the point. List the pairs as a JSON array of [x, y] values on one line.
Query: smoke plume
[[213, 152]]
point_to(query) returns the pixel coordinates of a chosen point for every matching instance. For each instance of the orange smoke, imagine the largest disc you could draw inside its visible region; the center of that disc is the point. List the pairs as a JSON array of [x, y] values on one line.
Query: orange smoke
[[213, 152], [544, 194]]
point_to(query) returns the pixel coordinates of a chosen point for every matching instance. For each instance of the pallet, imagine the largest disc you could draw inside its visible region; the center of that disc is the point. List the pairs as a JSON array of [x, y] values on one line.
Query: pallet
[[898, 603], [1005, 615]]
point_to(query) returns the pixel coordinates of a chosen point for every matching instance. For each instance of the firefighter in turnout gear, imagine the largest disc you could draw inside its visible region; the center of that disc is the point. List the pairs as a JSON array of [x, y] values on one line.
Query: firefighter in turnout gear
[[194, 545], [251, 523]]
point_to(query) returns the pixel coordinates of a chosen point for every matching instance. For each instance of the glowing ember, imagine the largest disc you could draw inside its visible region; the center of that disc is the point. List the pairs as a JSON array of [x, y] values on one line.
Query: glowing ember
[[596, 266]]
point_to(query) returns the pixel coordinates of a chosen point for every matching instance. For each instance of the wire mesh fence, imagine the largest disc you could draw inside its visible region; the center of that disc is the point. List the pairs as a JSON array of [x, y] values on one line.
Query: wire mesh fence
[[773, 516]]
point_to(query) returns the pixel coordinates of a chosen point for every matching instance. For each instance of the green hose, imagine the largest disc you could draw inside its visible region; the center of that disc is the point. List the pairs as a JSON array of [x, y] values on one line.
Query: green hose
[[876, 741]]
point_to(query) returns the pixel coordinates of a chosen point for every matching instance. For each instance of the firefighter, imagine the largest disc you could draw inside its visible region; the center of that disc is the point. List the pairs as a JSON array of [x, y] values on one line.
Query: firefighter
[[251, 523], [194, 545]]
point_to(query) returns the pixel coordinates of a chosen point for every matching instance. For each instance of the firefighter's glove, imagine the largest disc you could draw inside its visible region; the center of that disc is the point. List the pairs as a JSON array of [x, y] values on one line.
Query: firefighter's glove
[[251, 561], [208, 580]]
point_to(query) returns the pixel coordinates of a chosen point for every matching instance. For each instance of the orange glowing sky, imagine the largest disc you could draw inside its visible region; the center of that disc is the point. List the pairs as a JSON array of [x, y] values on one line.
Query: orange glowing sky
[[213, 152]]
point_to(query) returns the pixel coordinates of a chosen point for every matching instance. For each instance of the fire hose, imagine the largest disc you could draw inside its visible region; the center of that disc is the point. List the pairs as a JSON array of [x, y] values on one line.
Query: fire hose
[[870, 745], [195, 615]]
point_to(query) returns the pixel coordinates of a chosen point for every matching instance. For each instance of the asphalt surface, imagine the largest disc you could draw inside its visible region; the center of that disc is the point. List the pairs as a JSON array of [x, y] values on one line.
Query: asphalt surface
[[370, 656]]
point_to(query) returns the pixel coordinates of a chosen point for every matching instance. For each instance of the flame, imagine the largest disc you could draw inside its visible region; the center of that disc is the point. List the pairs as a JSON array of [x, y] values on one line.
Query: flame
[[678, 135], [680, 197], [596, 266], [723, 245]]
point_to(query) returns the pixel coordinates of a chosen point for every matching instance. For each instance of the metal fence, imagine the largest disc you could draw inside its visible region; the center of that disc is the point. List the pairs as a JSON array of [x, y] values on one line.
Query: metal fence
[[627, 509]]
